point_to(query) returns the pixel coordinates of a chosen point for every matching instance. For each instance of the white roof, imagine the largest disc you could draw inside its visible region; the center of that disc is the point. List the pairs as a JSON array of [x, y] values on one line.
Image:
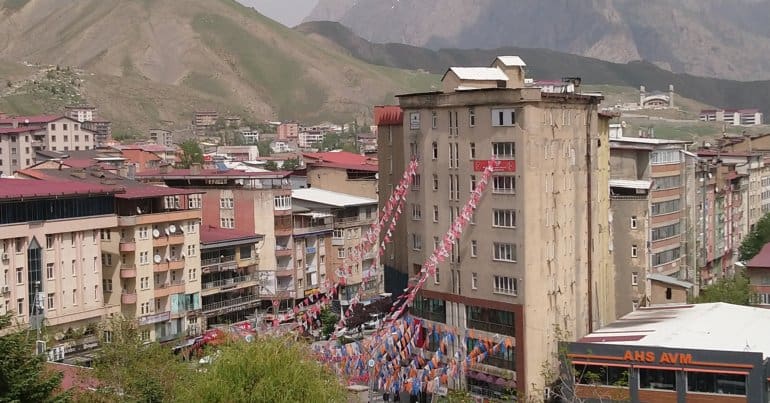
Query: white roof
[[334, 199], [314, 214], [713, 326], [479, 73], [647, 140], [630, 184], [669, 280], [510, 61]]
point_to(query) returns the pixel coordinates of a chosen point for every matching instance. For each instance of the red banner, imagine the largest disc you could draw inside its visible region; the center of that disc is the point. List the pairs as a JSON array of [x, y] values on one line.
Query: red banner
[[500, 165]]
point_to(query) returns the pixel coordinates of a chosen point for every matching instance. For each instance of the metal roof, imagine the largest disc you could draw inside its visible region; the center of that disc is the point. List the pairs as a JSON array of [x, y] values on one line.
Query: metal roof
[[669, 280], [511, 61], [329, 198], [712, 326], [648, 140], [630, 184], [478, 73]]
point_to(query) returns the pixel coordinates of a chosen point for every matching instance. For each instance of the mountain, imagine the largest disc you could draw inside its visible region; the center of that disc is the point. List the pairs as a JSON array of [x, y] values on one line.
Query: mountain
[[146, 61], [546, 64], [715, 38]]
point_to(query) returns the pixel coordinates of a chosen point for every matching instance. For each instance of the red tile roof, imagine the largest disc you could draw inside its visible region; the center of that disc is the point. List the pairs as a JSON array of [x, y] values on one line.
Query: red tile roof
[[761, 260], [143, 191], [30, 188], [156, 148], [211, 235], [342, 160], [232, 173], [17, 130], [32, 119], [388, 115], [73, 376]]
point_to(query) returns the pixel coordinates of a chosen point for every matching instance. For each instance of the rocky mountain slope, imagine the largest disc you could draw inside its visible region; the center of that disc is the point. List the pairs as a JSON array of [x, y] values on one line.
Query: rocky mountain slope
[[147, 61], [717, 38]]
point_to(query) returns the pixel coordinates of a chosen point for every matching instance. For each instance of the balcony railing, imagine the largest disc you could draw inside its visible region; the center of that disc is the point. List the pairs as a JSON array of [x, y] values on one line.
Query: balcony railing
[[313, 229], [354, 220], [229, 281], [230, 303], [219, 263], [491, 327]]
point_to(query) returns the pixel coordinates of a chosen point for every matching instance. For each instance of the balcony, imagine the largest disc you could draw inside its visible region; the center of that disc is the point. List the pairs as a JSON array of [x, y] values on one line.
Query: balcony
[[170, 288], [338, 241], [221, 263], [158, 218], [176, 239], [128, 298], [283, 251], [231, 282], [352, 221], [285, 293], [491, 327], [128, 272], [127, 245], [283, 230], [230, 304], [156, 318], [313, 229], [168, 265]]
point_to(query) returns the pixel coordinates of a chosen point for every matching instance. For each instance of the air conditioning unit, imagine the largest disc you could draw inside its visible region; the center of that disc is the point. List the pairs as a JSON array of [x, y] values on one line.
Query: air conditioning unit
[[5, 289], [5, 256]]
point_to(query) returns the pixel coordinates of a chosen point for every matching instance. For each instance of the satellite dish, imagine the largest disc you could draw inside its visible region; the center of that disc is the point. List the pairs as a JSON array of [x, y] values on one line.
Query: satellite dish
[[168, 258], [158, 259], [168, 231], [172, 228], [623, 124], [155, 233]]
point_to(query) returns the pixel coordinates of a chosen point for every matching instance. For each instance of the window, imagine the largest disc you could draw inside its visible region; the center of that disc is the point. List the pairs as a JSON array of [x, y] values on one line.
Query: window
[[505, 285], [434, 150], [662, 157], [49, 239], [667, 182], [504, 151], [226, 203], [633, 222], [657, 379], [50, 304], [601, 375], [474, 281], [66, 138], [668, 293], [503, 117], [106, 259], [454, 187], [49, 271], [437, 276], [338, 233], [144, 257], [143, 233], [105, 234], [634, 251], [144, 283], [434, 119], [107, 285], [53, 126], [192, 274], [191, 250], [74, 268], [191, 226], [667, 231], [145, 336], [19, 275], [454, 157], [226, 223], [505, 252], [634, 278], [64, 126], [474, 248], [490, 320], [473, 150], [416, 182], [436, 243], [20, 306], [74, 296], [145, 309], [473, 183], [416, 242], [665, 256], [504, 184], [416, 212], [709, 382], [471, 117], [341, 253], [504, 218], [19, 244], [435, 182], [73, 238], [282, 202], [246, 251], [666, 207], [77, 138]]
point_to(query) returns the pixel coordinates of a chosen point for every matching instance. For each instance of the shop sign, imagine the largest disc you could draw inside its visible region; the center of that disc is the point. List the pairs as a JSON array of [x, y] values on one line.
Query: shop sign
[[662, 358]]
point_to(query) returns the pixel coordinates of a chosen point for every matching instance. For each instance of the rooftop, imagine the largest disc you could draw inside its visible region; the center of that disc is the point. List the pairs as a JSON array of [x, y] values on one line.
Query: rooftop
[[630, 184], [648, 140], [210, 174], [32, 119], [154, 148], [669, 280], [511, 61], [329, 198], [388, 115], [17, 130], [478, 73], [713, 326], [211, 235], [761, 260], [33, 189], [342, 160]]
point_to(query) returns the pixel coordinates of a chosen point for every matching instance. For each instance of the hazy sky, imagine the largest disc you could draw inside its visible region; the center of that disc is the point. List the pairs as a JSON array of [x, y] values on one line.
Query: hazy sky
[[287, 12]]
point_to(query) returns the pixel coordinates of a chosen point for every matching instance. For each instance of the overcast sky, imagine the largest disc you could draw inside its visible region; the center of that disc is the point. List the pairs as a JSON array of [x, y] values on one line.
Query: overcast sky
[[287, 12]]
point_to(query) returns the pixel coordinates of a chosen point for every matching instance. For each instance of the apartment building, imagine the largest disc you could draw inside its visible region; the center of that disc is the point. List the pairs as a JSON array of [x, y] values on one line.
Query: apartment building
[[534, 264], [743, 117], [230, 282], [312, 241], [648, 206], [247, 202], [204, 118], [22, 136], [51, 258], [288, 131], [150, 259], [341, 171], [162, 137], [310, 139], [352, 218]]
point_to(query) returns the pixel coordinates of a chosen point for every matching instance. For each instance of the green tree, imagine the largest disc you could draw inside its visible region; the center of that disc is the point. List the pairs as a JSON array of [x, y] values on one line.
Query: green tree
[[271, 166], [329, 320], [734, 290], [191, 153], [23, 377], [756, 239], [264, 148], [130, 370], [290, 164], [266, 370]]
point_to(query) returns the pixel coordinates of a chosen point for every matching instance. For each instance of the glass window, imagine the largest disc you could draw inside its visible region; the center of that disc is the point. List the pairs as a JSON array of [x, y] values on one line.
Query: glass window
[[601, 375], [705, 382], [660, 379]]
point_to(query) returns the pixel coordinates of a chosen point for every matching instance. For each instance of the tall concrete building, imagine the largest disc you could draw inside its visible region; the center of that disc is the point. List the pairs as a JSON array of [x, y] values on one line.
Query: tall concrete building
[[534, 264]]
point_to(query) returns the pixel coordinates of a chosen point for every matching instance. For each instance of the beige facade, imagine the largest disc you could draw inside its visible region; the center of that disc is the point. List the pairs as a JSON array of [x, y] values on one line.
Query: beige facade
[[662, 293], [340, 180], [534, 265], [162, 137]]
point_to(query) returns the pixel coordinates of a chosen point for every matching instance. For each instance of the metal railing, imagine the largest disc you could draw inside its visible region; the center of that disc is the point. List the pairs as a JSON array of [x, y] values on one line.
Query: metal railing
[[230, 302], [217, 260], [310, 229], [491, 327], [228, 281]]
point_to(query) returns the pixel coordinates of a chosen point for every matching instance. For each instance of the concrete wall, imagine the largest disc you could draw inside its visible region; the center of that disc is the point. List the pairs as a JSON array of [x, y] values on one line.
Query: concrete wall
[[623, 238], [658, 293], [336, 180]]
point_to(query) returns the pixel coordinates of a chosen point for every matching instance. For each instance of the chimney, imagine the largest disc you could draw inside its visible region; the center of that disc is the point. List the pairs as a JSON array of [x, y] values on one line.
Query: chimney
[[195, 168]]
